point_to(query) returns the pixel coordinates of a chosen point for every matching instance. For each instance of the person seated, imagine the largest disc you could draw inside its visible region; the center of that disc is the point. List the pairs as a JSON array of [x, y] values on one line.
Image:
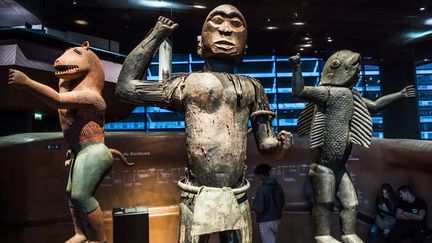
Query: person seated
[[411, 217], [386, 209]]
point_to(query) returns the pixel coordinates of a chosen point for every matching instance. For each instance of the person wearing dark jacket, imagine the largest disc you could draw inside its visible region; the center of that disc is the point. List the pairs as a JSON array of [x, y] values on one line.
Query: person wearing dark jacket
[[268, 204]]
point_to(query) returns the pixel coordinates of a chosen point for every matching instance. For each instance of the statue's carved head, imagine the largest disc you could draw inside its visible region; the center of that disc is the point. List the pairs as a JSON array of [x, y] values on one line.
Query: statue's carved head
[[79, 62], [341, 69], [224, 34]]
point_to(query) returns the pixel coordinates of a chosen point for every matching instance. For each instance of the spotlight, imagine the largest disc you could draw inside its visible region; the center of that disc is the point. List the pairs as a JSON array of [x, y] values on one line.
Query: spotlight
[[298, 23], [199, 6], [81, 22], [271, 27], [155, 4]]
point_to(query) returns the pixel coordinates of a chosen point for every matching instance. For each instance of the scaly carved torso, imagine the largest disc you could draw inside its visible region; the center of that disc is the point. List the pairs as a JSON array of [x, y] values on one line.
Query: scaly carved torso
[[80, 127], [339, 119], [337, 114], [216, 127]]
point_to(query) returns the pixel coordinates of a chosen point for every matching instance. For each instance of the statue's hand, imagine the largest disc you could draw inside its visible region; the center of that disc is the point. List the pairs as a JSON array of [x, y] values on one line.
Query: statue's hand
[[17, 79], [285, 140], [165, 25], [409, 91], [295, 61]]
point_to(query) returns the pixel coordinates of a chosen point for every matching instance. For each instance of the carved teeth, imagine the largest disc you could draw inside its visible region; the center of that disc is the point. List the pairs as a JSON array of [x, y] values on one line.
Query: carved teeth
[[65, 68]]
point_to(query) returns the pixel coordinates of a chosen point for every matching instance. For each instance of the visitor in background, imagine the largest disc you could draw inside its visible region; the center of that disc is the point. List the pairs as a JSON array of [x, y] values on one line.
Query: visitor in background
[[411, 217], [268, 204], [386, 208]]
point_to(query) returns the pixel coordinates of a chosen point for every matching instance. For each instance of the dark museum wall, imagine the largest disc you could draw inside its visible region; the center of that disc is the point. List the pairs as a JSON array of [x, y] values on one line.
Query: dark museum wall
[[397, 69], [33, 178]]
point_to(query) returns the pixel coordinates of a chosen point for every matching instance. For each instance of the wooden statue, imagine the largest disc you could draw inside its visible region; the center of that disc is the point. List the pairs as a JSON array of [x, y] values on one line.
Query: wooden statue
[[81, 111], [217, 105], [336, 117]]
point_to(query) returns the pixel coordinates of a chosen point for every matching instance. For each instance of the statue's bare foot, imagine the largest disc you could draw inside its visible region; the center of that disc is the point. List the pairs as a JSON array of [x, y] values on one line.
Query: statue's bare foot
[[352, 238], [77, 238], [325, 239]]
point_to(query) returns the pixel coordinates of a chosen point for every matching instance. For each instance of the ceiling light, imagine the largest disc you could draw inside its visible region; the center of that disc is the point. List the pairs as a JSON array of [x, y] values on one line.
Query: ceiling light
[[199, 6], [329, 39], [422, 8], [81, 22], [74, 2], [415, 35], [301, 49], [162, 4], [298, 23], [155, 4], [306, 45], [271, 27], [306, 38]]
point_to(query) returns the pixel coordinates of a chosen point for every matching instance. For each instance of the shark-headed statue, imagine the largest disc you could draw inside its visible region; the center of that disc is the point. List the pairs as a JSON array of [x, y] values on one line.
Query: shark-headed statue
[[336, 117]]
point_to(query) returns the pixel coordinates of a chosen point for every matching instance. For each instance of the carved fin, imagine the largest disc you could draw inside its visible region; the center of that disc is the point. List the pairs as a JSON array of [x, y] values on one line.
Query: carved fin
[[361, 124], [357, 123], [304, 122], [356, 140], [360, 132], [317, 133]]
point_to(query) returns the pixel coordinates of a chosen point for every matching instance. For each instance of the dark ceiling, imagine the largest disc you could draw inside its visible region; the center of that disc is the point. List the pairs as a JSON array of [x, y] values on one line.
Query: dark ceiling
[[366, 26]]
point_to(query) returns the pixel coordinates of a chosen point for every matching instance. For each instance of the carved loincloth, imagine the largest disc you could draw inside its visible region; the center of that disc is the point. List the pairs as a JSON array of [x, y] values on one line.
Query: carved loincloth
[[216, 209]]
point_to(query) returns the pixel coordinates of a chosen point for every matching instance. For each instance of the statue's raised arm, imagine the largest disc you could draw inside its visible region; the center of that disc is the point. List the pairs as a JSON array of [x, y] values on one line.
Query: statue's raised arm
[[316, 95], [131, 88]]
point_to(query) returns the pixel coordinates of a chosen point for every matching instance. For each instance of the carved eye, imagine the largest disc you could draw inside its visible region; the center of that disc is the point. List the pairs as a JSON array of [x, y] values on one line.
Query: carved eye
[[217, 19], [236, 23], [335, 63], [77, 51]]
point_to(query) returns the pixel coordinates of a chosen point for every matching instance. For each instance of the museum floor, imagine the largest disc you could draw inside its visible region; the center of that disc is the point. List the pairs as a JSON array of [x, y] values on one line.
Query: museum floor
[[295, 227]]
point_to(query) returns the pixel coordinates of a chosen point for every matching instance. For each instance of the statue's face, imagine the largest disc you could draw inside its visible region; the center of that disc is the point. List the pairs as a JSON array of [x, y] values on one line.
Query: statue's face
[[224, 34], [73, 64], [341, 69]]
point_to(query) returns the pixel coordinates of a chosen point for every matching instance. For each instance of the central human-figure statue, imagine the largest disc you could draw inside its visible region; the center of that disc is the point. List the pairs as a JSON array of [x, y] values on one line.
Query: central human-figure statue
[[217, 105]]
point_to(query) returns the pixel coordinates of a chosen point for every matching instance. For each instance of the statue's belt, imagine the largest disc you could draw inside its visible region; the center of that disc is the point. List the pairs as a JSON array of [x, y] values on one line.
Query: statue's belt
[[216, 209], [196, 189]]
